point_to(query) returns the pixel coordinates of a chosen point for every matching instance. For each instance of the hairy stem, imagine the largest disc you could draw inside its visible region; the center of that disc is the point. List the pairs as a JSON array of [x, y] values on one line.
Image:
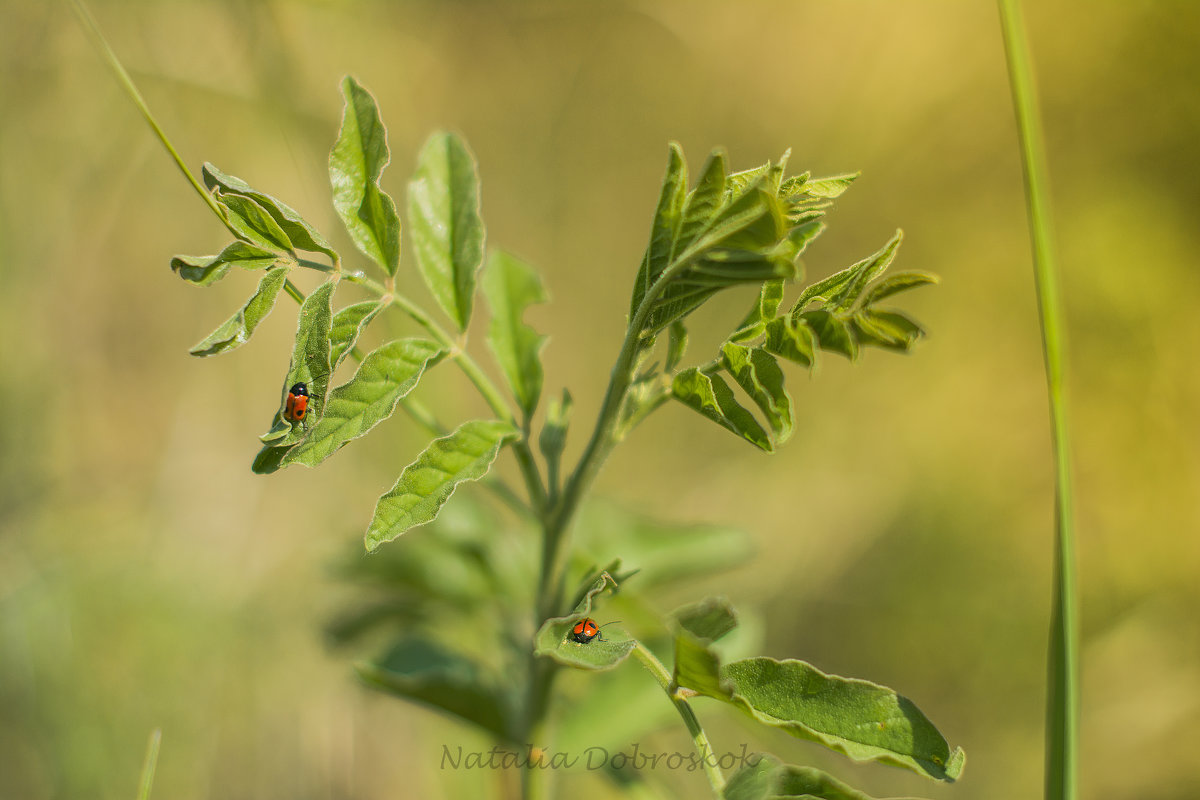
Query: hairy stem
[[1062, 701]]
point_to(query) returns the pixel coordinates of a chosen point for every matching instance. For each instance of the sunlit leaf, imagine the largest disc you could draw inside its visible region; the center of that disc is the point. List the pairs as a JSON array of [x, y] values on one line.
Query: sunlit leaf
[[253, 223], [355, 164], [348, 323], [553, 638], [895, 283], [310, 365], [446, 229], [792, 339], [764, 310], [511, 286], [302, 235], [207, 270], [765, 778], [712, 397], [833, 333], [385, 376], [760, 377], [665, 226], [831, 187], [890, 329], [237, 330], [427, 483], [866, 271]]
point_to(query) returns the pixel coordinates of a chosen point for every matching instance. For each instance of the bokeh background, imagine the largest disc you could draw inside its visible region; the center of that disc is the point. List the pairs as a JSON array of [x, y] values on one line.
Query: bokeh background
[[904, 535]]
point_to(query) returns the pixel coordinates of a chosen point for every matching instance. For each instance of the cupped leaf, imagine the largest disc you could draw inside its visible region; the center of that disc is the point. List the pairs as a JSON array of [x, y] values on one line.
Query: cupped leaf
[[253, 223], [759, 375], [354, 408], [302, 235], [427, 483], [862, 720], [764, 310], [890, 329], [553, 637], [348, 324], [711, 396], [664, 228], [511, 286], [421, 670], [269, 459], [207, 270], [446, 229], [237, 330], [832, 331], [355, 164], [792, 339]]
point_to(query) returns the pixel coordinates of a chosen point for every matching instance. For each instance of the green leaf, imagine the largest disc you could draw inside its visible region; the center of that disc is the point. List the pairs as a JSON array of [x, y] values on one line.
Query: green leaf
[[302, 235], [890, 329], [310, 365], [446, 229], [702, 203], [355, 164], [862, 720], [599, 654], [511, 286], [767, 779], [421, 670], [833, 333], [895, 283], [792, 339], [385, 376], [665, 226], [765, 308], [207, 270], [830, 187], [237, 330], [348, 324], [712, 397], [676, 345], [427, 483], [866, 271], [251, 222], [269, 459], [697, 666], [759, 375]]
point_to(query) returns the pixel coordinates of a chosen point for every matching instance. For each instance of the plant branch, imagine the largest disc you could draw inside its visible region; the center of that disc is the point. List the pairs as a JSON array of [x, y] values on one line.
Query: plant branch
[[699, 738], [1062, 702]]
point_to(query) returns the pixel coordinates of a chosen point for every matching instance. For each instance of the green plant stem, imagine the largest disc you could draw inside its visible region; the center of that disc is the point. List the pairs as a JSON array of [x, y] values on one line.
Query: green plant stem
[[699, 737], [149, 765], [93, 31], [1062, 702]]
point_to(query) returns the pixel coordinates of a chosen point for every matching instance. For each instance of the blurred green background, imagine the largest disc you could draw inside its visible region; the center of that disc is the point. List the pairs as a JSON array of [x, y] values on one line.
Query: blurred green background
[[904, 535]]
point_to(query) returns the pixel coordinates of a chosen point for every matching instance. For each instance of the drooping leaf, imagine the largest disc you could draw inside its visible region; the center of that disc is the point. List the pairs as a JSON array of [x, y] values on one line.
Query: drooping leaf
[[759, 375], [664, 228], [348, 324], [302, 235], [253, 223], [792, 339], [427, 483], [446, 229], [833, 333], [422, 670], [862, 720], [890, 329], [552, 639], [269, 459], [207, 270], [712, 397], [385, 376], [355, 164], [237, 330], [765, 778], [511, 286], [709, 619]]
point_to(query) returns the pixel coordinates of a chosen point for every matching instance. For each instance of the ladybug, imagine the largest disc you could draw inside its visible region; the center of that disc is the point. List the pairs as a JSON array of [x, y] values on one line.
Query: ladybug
[[585, 630], [297, 403]]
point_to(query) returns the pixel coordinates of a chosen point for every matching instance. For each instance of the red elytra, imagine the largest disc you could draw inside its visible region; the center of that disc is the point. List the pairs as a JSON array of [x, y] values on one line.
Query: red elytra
[[297, 403], [586, 629]]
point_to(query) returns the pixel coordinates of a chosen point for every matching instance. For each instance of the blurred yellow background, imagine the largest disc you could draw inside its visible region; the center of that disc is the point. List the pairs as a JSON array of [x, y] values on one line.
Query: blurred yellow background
[[904, 535]]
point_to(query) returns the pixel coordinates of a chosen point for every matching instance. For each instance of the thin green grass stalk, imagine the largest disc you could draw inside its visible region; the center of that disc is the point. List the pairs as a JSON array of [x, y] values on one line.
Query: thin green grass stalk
[[149, 765], [1062, 701]]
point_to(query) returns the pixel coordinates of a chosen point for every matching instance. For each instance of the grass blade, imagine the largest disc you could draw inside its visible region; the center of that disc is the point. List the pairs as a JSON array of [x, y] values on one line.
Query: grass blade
[[1062, 701], [149, 765]]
